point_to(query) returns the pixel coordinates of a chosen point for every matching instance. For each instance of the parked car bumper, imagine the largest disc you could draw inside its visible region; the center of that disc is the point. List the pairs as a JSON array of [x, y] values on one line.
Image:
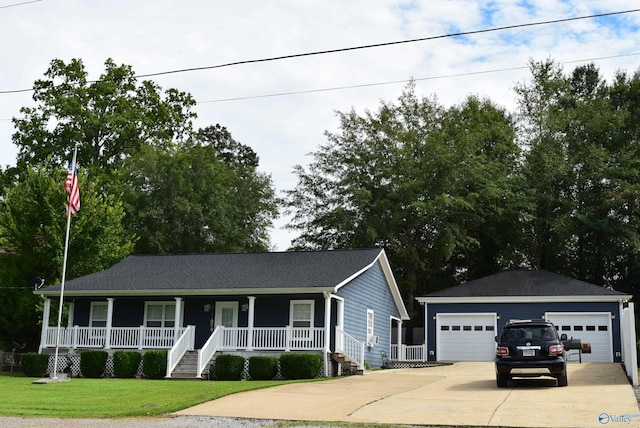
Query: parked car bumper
[[556, 367]]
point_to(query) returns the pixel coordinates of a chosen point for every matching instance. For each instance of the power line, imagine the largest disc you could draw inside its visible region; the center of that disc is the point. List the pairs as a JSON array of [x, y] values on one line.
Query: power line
[[394, 82], [19, 4], [376, 45]]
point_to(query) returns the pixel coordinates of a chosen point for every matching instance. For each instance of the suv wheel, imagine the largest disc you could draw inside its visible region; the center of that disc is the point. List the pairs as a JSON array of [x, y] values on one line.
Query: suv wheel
[[501, 380], [562, 380]]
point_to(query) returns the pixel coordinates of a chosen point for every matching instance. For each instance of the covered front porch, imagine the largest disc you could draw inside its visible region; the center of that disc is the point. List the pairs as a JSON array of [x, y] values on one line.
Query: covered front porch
[[323, 334]]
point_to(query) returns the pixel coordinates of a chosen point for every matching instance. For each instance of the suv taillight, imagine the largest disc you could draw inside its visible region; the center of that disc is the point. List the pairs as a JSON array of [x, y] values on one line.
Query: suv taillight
[[502, 351], [555, 350]]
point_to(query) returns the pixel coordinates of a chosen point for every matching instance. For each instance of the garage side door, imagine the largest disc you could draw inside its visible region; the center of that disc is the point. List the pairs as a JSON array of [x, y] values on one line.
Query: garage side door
[[593, 328], [465, 337]]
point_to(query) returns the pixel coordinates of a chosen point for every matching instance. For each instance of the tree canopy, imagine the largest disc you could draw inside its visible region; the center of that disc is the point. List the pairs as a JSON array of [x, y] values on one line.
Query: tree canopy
[[32, 229], [458, 193]]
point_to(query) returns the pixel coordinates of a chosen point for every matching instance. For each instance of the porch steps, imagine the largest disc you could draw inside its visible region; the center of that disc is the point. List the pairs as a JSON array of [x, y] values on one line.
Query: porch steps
[[186, 368], [347, 363]]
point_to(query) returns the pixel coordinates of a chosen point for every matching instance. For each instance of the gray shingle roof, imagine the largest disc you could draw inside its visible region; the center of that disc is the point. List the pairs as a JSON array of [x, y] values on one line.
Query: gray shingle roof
[[525, 283], [209, 272]]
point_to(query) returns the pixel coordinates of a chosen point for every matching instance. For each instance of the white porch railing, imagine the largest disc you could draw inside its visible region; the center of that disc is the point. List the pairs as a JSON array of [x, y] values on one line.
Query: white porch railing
[[120, 337], [185, 342], [408, 353], [208, 350], [272, 338], [350, 347]]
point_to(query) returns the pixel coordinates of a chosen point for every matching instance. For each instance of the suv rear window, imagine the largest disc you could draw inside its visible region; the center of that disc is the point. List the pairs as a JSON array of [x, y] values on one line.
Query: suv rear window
[[531, 332]]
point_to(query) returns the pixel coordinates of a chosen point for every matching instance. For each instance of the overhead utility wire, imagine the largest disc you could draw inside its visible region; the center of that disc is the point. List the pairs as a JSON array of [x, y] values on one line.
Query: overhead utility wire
[[376, 45], [394, 82], [19, 4]]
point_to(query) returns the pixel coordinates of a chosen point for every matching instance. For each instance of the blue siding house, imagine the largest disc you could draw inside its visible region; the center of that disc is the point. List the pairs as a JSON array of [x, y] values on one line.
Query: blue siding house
[[341, 304]]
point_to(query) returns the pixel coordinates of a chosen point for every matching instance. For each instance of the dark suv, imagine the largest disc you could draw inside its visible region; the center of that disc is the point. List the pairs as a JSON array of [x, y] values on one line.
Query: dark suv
[[529, 348]]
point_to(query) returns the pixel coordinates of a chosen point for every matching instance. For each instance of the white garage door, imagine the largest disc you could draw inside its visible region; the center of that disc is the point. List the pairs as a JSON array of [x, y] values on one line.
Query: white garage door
[[593, 328], [465, 337]]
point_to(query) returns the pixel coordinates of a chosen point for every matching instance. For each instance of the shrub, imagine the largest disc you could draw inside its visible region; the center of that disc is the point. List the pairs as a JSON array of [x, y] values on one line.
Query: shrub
[[34, 365], [93, 363], [300, 366], [263, 368], [154, 364], [125, 363], [229, 367]]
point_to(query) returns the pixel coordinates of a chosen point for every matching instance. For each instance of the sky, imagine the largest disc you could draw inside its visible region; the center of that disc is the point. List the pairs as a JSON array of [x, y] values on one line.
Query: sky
[[282, 109]]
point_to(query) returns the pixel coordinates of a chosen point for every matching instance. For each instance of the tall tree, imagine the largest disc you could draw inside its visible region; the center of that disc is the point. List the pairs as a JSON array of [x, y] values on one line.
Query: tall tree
[[32, 229], [581, 168], [185, 199], [417, 179], [109, 119]]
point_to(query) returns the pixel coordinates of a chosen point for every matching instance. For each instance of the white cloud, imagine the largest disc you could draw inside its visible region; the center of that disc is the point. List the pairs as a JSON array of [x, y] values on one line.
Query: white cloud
[[161, 35]]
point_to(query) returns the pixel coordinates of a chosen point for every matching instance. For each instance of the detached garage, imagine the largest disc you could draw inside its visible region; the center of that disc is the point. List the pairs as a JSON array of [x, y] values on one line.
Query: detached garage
[[461, 322]]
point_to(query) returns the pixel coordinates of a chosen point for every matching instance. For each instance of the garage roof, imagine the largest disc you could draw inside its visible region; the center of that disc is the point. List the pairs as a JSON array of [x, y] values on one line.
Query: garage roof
[[534, 285]]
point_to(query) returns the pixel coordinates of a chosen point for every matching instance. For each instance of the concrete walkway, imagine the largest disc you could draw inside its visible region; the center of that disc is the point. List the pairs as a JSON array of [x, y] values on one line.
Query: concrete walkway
[[461, 394]]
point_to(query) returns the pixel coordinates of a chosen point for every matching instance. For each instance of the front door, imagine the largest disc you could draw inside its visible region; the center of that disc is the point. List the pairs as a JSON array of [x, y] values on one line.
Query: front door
[[227, 316]]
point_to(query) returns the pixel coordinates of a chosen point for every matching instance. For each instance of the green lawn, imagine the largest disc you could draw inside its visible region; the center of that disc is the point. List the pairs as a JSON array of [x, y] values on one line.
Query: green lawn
[[111, 398]]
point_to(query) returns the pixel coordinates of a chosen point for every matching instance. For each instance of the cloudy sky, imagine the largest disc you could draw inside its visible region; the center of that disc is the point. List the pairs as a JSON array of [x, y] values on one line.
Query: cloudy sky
[[282, 108]]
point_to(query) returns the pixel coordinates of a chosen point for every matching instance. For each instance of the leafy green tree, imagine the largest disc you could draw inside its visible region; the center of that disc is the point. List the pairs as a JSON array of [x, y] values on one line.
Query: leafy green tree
[[581, 169], [109, 119], [429, 184], [32, 230], [185, 199]]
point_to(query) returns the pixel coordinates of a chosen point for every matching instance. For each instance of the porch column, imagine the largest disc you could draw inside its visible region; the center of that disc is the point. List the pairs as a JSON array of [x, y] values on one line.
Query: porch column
[[72, 309], [107, 339], [176, 319], [339, 346], [327, 322], [250, 321], [400, 355], [45, 323]]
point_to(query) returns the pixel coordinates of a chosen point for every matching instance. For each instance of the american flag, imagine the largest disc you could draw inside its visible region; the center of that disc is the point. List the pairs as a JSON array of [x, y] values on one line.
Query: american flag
[[73, 193]]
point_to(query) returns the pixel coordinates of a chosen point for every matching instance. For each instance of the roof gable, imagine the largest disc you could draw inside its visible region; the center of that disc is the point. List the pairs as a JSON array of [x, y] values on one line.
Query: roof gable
[[522, 285]]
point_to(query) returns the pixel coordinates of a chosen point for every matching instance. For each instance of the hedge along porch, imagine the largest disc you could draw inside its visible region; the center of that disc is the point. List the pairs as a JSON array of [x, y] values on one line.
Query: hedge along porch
[[330, 302]]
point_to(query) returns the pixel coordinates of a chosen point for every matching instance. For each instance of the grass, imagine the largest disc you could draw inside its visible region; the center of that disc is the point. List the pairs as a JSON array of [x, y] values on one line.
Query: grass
[[112, 398]]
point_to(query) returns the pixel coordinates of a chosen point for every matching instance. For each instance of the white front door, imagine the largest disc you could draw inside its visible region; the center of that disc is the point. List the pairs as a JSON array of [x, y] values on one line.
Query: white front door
[[227, 316]]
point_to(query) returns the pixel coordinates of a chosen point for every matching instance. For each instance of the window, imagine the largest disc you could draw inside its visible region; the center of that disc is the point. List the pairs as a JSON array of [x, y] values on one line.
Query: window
[[301, 313], [160, 314], [98, 314], [370, 324]]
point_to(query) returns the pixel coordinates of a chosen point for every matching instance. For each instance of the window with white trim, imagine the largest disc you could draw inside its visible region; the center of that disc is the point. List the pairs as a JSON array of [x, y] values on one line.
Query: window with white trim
[[159, 314], [370, 326], [301, 313], [98, 314]]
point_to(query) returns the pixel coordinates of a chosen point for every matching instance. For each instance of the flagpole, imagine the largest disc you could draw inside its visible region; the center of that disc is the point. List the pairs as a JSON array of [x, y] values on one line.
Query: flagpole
[[64, 274]]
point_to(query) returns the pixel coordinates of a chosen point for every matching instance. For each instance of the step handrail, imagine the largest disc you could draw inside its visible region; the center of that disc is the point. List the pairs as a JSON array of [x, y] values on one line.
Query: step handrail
[[182, 345], [208, 350]]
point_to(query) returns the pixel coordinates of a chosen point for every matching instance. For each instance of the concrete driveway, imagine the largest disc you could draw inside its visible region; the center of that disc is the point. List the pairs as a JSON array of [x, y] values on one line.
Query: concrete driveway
[[460, 394]]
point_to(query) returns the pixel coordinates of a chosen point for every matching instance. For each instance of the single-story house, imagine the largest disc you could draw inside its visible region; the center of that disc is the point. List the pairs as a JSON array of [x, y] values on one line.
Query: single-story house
[[341, 304], [461, 322]]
